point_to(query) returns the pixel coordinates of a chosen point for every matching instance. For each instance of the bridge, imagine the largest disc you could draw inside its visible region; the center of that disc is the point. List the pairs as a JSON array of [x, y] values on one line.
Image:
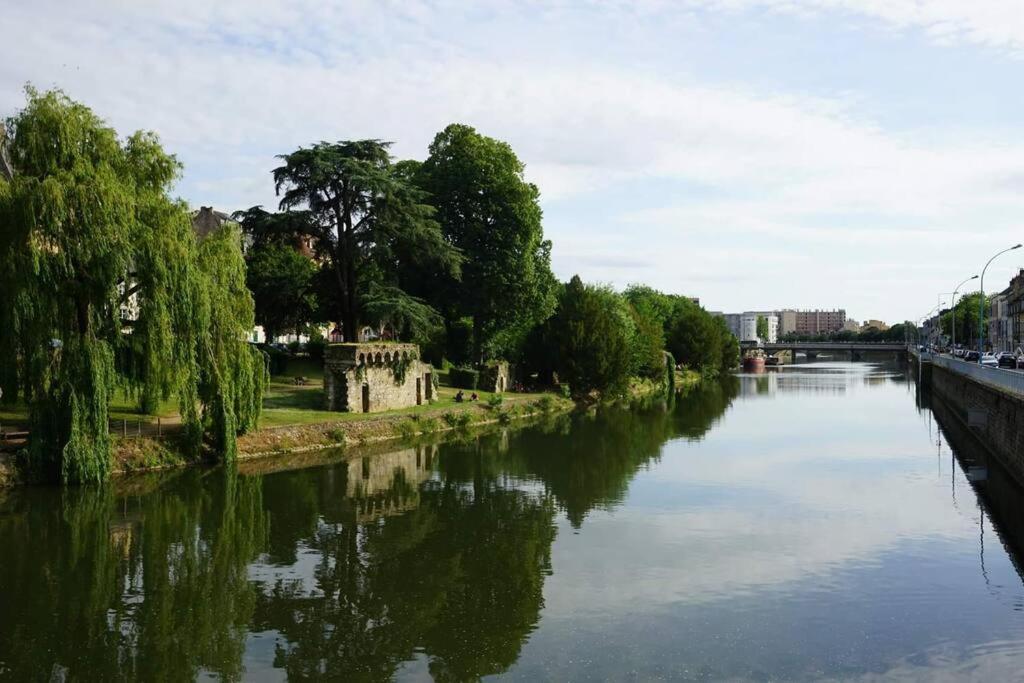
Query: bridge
[[812, 349]]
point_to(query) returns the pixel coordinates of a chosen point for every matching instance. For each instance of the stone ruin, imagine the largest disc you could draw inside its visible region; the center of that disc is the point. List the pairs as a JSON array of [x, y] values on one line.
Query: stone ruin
[[372, 377], [494, 376]]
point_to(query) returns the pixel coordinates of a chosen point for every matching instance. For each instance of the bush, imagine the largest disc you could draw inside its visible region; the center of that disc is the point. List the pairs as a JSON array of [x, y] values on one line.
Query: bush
[[504, 417], [293, 347], [545, 403], [315, 346], [457, 420], [407, 428], [277, 360], [594, 331], [463, 378], [495, 401]]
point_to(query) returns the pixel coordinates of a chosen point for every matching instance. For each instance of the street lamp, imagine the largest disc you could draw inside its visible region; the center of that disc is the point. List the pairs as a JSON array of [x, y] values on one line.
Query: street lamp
[[952, 306], [981, 299]]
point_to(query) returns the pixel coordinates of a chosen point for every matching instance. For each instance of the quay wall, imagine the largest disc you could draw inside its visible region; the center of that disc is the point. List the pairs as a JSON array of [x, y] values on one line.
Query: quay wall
[[992, 410]]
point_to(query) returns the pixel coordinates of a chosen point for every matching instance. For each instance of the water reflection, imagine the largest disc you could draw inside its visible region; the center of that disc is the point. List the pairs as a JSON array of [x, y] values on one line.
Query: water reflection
[[824, 533]]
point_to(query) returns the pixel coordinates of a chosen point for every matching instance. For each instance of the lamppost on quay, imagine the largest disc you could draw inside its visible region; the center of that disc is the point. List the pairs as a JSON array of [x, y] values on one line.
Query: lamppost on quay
[[952, 307], [981, 299]]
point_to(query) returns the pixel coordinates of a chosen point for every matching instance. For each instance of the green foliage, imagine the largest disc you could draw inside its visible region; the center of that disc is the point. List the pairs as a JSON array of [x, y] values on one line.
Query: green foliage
[[491, 214], [495, 400], [593, 334], [966, 316], [104, 282], [545, 403], [316, 345], [693, 336], [407, 428], [464, 378], [408, 316], [427, 425], [457, 420], [762, 327], [401, 366], [281, 281], [365, 220], [648, 345], [896, 333], [233, 375], [670, 373]]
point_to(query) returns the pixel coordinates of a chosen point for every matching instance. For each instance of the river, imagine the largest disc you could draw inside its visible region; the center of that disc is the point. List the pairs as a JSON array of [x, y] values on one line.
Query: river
[[816, 522]]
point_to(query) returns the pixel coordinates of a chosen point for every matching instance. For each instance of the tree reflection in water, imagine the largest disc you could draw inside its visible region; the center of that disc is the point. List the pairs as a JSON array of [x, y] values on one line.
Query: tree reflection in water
[[438, 552], [150, 587]]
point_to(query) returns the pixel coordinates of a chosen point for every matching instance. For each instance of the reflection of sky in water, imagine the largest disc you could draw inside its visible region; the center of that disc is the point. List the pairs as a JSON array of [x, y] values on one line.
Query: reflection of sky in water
[[812, 535]]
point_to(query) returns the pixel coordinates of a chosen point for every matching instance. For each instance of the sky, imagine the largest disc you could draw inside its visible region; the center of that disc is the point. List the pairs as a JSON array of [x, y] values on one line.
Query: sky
[[758, 154]]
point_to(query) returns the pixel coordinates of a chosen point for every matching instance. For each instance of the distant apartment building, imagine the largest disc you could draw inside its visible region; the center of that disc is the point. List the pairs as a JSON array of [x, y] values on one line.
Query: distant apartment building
[[811, 322], [1000, 329], [744, 325], [1015, 310], [877, 324]]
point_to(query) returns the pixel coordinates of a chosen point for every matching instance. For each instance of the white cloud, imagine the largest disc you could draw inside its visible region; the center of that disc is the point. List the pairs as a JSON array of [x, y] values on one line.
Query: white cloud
[[785, 176]]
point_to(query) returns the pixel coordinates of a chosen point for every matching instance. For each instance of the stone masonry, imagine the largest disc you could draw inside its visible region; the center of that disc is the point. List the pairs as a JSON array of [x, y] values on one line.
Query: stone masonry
[[1002, 425], [373, 377], [494, 376]]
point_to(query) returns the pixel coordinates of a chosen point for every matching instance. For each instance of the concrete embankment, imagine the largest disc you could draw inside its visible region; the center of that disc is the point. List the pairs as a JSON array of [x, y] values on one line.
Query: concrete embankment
[[989, 401]]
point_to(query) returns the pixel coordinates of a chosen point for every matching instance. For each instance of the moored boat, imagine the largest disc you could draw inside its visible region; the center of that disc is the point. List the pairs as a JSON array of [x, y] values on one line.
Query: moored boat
[[753, 361]]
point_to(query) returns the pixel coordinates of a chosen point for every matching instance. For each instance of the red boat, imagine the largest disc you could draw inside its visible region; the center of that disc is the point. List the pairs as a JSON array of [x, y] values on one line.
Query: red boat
[[753, 361]]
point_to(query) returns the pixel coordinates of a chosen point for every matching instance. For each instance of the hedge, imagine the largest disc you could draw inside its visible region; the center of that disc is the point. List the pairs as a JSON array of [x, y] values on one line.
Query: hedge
[[463, 378]]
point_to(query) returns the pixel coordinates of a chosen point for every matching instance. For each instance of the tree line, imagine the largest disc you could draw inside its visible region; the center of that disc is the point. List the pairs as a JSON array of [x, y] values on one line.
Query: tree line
[[107, 288], [896, 333], [450, 253]]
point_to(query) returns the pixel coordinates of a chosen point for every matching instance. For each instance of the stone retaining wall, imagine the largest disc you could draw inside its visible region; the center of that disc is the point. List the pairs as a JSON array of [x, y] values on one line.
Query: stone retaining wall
[[997, 417]]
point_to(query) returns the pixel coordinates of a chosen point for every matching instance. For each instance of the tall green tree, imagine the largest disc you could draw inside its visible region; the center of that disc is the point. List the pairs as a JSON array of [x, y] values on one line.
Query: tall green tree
[[101, 265], [966, 318], [281, 280], [593, 332], [491, 214], [762, 328], [363, 216]]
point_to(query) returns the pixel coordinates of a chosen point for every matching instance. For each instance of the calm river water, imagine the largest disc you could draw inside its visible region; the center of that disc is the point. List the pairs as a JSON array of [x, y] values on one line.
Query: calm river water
[[816, 522]]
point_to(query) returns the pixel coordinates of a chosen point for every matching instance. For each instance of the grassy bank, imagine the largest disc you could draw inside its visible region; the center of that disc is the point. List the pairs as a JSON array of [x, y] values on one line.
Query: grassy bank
[[294, 420]]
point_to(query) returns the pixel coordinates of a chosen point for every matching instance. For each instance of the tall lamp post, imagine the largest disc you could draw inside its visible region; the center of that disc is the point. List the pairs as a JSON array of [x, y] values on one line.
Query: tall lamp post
[[952, 306], [981, 299]]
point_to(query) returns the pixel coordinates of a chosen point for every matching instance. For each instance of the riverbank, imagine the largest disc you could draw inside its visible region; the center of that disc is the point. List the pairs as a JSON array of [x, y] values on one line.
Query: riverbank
[[292, 425]]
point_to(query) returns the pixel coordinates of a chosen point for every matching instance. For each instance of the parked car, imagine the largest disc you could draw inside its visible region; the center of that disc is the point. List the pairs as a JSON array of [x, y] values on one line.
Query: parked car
[[990, 360], [1007, 360], [972, 356]]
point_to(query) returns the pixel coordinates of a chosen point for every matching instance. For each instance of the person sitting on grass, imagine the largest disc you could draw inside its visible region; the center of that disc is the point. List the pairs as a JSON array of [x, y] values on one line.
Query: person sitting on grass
[[473, 396], [459, 397]]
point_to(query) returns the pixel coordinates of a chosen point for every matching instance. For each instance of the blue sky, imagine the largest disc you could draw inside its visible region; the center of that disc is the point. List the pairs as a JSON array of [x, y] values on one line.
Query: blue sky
[[864, 154]]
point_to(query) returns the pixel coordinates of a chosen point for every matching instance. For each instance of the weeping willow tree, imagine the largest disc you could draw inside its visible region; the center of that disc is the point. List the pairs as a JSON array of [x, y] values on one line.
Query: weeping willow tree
[[232, 373], [104, 283]]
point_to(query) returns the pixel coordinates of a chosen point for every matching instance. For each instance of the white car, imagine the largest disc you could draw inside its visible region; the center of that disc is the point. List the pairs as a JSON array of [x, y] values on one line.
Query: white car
[[990, 360]]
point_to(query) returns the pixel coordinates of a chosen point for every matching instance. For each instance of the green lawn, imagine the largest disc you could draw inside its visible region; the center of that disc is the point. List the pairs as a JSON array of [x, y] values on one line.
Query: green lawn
[[284, 403], [288, 404], [122, 407]]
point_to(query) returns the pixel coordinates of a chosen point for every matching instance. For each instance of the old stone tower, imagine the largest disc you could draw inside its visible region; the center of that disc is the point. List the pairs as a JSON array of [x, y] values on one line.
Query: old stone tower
[[372, 377]]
